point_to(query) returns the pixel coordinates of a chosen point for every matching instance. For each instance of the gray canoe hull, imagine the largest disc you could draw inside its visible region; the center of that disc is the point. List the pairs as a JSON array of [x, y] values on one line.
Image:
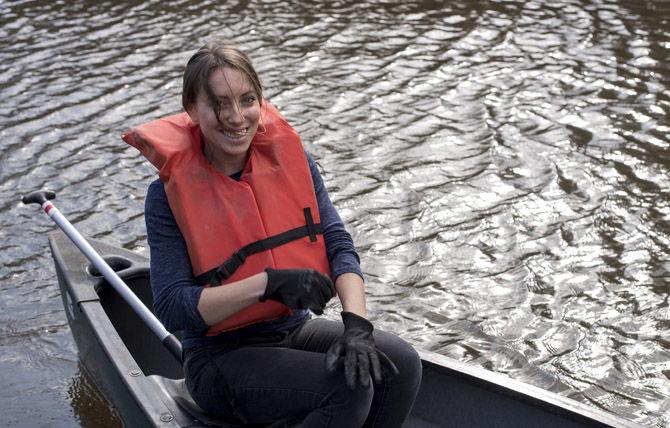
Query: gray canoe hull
[[145, 384]]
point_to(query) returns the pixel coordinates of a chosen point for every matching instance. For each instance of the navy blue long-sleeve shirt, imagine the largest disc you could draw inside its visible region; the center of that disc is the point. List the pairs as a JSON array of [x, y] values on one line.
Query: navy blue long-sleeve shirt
[[175, 293]]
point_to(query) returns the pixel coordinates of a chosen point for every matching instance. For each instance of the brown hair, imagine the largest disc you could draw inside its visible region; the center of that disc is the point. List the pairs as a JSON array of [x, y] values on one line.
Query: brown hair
[[210, 57]]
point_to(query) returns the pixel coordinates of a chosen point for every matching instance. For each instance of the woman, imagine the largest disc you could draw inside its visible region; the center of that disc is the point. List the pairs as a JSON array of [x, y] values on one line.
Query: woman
[[240, 204]]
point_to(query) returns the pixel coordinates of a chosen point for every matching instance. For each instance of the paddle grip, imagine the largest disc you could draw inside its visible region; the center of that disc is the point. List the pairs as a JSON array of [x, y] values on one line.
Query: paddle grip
[[174, 346], [38, 197]]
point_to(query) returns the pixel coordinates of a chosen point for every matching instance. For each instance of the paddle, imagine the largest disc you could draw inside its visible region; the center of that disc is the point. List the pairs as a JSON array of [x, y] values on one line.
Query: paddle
[[42, 197]]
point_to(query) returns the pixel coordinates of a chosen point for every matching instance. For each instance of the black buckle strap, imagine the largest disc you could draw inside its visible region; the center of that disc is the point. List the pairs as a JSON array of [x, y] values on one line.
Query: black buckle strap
[[227, 268], [311, 230]]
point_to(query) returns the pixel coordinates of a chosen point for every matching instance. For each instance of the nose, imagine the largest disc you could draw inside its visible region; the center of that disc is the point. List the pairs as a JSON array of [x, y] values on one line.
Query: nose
[[233, 115]]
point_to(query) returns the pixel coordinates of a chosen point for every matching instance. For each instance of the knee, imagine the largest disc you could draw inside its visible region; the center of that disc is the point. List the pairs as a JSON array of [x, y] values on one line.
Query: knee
[[405, 358]]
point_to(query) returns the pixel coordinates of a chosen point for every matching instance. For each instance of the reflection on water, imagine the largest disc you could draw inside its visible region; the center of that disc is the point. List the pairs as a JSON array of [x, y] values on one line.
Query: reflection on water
[[90, 408], [502, 166]]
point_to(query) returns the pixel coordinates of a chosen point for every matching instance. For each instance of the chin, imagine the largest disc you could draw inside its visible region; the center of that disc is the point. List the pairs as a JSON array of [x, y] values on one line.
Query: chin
[[237, 149]]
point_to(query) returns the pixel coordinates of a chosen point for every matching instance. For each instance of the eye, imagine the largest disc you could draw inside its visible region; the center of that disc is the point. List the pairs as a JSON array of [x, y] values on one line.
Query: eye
[[249, 99]]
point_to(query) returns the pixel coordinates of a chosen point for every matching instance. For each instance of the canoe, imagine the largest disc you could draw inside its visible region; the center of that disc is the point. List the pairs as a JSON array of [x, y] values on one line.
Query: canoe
[[145, 384]]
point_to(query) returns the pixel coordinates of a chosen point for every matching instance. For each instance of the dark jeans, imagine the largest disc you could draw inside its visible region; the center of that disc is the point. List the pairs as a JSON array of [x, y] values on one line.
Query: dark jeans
[[268, 379]]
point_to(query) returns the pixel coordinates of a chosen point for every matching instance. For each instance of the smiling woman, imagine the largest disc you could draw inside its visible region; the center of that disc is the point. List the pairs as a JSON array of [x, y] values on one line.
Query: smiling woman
[[228, 126], [241, 204]]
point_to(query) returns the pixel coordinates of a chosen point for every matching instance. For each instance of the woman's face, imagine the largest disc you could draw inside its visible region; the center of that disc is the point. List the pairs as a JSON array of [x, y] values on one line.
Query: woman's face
[[228, 138]]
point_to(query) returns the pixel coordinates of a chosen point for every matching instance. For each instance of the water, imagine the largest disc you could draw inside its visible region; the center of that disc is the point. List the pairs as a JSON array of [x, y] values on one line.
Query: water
[[502, 166]]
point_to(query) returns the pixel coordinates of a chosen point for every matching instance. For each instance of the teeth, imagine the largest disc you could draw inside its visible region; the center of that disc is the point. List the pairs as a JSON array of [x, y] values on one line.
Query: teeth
[[234, 134]]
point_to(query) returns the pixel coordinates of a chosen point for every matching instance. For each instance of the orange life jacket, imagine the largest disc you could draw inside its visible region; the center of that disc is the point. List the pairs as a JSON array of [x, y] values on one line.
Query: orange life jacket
[[218, 215]]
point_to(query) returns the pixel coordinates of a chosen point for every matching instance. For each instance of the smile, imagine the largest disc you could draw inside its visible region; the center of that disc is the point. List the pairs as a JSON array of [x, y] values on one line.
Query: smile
[[234, 133]]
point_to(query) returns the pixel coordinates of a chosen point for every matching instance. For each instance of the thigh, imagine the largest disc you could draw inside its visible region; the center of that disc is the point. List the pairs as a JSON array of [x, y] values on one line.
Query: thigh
[[319, 334], [316, 335], [267, 384]]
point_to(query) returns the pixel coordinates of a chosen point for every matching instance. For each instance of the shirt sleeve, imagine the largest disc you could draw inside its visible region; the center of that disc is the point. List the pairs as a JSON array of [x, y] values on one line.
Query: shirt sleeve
[[175, 294], [340, 248]]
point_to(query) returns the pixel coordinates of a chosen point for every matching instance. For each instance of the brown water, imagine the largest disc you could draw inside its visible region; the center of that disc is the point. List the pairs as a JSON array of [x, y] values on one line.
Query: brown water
[[502, 166]]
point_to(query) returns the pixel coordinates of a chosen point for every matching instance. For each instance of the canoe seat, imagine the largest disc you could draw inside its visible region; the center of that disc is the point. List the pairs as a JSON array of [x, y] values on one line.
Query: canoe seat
[[176, 388]]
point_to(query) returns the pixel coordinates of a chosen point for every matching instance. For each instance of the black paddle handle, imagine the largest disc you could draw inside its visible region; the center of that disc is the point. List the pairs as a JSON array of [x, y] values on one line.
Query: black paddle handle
[[174, 346], [39, 197]]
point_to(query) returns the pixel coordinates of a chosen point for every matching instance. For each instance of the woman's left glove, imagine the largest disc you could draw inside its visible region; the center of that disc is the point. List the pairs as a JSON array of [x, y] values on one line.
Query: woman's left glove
[[357, 352]]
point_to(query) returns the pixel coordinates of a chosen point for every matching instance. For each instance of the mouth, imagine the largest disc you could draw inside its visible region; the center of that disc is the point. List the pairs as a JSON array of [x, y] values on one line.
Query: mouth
[[234, 134]]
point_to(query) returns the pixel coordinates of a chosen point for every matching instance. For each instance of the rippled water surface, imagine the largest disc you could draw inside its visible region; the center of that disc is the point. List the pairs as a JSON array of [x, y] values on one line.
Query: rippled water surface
[[503, 167]]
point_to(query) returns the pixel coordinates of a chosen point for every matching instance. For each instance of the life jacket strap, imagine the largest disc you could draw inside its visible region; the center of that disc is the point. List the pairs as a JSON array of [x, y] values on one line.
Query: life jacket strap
[[213, 277]]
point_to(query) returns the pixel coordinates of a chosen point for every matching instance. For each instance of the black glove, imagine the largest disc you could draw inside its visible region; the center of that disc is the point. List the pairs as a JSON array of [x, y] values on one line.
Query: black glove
[[299, 289], [356, 350]]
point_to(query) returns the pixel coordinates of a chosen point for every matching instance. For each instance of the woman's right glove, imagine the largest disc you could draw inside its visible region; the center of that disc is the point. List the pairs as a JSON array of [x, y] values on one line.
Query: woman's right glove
[[299, 289]]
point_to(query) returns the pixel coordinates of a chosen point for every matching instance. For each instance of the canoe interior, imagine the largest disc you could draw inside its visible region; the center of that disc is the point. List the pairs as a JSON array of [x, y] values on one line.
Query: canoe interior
[[134, 371], [143, 345]]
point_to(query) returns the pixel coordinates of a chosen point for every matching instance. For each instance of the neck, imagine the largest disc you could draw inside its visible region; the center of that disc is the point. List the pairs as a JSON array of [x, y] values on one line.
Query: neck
[[223, 162]]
